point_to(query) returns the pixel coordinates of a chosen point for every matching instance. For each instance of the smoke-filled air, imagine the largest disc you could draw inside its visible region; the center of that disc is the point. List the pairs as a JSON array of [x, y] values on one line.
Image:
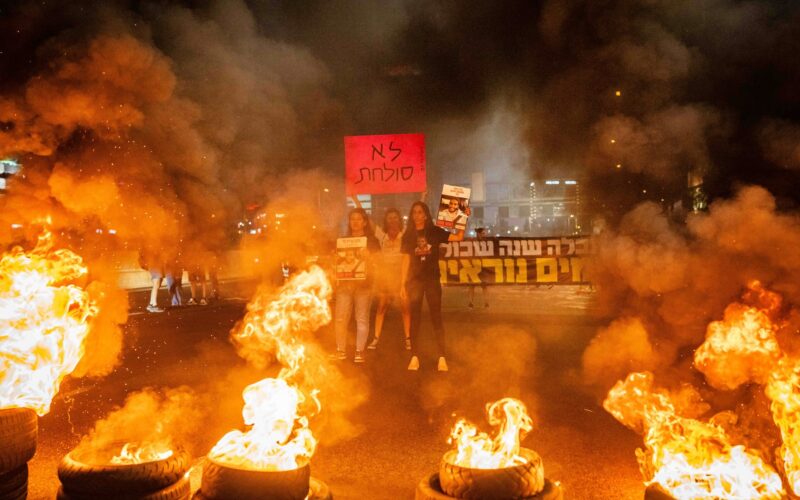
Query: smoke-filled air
[[196, 285]]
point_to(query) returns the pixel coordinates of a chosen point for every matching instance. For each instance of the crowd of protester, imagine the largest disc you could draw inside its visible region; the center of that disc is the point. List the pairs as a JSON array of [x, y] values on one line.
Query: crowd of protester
[[201, 271], [402, 270]]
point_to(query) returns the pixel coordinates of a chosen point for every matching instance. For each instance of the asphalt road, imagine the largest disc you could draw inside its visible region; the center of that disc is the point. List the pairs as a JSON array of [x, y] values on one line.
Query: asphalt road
[[526, 344]]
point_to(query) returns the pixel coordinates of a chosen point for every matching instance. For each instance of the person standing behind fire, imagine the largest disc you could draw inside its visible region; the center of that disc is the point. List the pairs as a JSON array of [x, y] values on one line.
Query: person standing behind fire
[[153, 264], [480, 233], [420, 276], [355, 294], [387, 275]]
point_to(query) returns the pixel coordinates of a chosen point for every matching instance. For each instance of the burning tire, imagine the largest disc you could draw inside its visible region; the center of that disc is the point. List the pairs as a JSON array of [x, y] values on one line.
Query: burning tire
[[520, 481], [224, 482], [156, 480], [18, 430], [14, 484], [181, 490], [430, 489]]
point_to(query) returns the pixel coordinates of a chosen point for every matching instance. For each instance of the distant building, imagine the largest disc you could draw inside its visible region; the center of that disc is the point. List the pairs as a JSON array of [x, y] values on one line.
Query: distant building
[[546, 207], [555, 207], [8, 167]]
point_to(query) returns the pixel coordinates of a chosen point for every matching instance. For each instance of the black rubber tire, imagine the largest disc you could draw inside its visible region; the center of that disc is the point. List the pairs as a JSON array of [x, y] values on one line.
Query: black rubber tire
[[181, 490], [430, 489], [83, 479], [221, 482], [14, 484], [18, 432], [318, 490], [520, 481]]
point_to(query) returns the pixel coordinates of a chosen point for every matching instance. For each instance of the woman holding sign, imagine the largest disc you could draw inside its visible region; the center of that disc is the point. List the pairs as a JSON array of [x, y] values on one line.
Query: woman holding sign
[[420, 276], [354, 282]]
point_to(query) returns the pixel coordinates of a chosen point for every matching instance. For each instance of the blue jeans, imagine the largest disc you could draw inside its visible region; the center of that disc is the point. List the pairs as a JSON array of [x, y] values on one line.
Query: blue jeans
[[351, 296], [174, 287]]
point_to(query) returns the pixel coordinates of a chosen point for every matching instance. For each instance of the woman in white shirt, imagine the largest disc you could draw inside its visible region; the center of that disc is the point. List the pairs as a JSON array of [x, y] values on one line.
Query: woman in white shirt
[[388, 275]]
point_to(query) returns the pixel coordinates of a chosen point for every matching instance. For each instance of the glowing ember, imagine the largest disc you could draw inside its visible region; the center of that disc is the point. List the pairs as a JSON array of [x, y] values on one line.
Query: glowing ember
[[133, 453], [278, 409], [690, 459], [477, 450], [43, 323]]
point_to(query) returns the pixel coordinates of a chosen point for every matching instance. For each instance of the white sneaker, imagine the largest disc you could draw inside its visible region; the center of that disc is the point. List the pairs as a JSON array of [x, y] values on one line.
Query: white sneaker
[[413, 365], [442, 364], [337, 356]]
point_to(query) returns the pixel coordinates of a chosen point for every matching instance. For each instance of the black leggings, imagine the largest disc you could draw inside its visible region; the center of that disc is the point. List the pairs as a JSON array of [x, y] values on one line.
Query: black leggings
[[432, 289]]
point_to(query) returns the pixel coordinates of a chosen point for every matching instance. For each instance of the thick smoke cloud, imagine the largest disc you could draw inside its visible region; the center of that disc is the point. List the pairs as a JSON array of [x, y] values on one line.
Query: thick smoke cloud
[[192, 109], [668, 282], [163, 120], [157, 124], [160, 122], [697, 81]]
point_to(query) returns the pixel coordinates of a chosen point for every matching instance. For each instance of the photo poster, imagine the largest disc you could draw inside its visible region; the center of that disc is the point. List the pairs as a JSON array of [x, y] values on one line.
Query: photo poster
[[351, 262], [452, 207]]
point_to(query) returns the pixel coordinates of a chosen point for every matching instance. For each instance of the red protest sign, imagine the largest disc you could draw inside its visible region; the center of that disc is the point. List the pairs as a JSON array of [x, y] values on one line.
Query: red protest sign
[[376, 164]]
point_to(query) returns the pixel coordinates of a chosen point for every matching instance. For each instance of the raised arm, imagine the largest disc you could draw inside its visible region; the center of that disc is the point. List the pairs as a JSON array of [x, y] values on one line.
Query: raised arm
[[457, 236]]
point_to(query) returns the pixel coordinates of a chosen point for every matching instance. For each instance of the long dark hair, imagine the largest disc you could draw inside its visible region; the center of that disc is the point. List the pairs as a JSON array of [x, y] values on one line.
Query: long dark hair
[[411, 236], [386, 219]]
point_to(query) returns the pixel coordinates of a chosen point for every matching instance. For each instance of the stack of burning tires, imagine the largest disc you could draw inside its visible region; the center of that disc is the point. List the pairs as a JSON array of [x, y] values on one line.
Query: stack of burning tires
[[481, 467], [18, 432], [93, 477]]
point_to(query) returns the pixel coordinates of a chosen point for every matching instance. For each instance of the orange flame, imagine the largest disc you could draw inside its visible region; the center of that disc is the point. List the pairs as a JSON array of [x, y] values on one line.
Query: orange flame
[[278, 409], [279, 438], [477, 450], [690, 459], [783, 388], [44, 321], [744, 348], [741, 348], [135, 453]]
